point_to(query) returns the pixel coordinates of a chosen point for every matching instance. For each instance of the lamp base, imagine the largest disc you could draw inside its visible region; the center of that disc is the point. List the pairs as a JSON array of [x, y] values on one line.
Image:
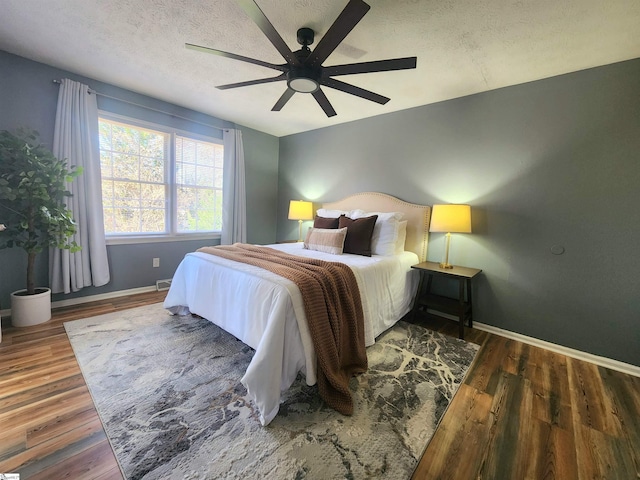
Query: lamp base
[[447, 243]]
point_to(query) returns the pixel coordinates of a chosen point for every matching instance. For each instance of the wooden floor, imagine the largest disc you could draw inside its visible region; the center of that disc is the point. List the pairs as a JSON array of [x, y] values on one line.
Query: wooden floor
[[522, 412]]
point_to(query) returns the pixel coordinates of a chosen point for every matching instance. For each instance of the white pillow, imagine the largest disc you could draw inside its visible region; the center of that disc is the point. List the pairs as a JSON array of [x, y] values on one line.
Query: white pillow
[[327, 240], [381, 215], [323, 212], [402, 237], [385, 233]]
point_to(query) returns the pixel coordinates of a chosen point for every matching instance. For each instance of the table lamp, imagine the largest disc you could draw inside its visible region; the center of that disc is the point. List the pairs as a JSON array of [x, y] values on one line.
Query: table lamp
[[300, 210], [448, 219]]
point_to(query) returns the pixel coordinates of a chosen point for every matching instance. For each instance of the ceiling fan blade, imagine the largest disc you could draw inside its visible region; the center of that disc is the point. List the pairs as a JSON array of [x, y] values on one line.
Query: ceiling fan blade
[[353, 90], [369, 67], [233, 56], [286, 96], [255, 13], [252, 82], [346, 21], [323, 101]]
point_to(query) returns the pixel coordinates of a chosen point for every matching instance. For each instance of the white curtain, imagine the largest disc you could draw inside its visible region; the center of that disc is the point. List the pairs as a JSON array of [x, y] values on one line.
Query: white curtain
[[234, 210], [76, 139]]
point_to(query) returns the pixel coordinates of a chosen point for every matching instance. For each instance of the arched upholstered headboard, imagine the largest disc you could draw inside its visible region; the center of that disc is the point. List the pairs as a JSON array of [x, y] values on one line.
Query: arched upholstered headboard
[[417, 216]]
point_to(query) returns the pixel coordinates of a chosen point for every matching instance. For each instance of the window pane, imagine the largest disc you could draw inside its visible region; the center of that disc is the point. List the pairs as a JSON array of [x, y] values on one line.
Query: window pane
[[205, 176], [217, 224], [107, 193], [109, 219], [106, 164], [127, 220], [105, 135], [125, 166], [188, 151], [152, 144], [152, 221], [206, 154], [152, 196], [125, 139], [187, 202], [152, 170], [218, 156], [186, 173]]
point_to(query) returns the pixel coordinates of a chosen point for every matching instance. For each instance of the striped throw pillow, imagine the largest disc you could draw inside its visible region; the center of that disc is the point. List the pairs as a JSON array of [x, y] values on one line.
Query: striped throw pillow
[[326, 240]]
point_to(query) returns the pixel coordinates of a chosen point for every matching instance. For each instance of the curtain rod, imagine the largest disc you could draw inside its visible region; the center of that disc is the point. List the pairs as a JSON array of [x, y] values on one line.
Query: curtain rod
[[92, 91]]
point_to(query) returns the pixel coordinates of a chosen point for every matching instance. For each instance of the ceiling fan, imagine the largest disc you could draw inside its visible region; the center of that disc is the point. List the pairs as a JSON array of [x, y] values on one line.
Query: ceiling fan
[[303, 71]]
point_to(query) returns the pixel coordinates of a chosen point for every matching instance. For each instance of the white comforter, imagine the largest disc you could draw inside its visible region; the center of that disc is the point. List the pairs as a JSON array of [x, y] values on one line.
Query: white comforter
[[266, 312]]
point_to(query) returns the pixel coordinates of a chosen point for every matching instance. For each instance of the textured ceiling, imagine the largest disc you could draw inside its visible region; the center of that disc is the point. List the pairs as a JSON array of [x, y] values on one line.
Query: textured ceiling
[[463, 47]]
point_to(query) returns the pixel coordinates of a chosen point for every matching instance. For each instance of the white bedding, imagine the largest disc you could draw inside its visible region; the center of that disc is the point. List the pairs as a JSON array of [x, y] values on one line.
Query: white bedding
[[266, 312]]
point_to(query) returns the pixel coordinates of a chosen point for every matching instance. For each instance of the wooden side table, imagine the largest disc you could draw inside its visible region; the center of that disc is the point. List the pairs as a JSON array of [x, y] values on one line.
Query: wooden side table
[[460, 307]]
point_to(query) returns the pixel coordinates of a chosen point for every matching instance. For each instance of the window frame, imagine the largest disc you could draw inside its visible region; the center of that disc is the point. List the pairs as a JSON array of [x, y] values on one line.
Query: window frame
[[171, 211]]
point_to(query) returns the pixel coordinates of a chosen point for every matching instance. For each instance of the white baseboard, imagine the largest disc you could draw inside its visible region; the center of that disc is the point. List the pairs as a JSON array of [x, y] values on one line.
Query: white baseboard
[[569, 352], [92, 298], [102, 296]]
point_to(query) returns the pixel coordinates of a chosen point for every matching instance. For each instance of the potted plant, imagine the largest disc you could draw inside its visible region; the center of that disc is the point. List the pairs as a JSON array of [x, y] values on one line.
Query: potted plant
[[32, 208]]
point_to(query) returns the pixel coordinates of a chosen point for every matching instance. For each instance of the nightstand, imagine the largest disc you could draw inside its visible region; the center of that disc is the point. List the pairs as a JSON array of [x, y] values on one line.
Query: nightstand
[[460, 307]]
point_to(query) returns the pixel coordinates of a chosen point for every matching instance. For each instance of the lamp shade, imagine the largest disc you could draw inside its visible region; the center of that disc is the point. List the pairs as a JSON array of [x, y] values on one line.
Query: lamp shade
[[451, 218], [300, 210]]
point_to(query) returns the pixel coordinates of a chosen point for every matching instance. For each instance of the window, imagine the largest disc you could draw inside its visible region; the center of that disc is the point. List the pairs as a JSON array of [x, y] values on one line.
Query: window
[[157, 182], [199, 185]]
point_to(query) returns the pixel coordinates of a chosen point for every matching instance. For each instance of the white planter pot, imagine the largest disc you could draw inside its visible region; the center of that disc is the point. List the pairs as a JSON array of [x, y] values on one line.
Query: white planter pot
[[27, 310]]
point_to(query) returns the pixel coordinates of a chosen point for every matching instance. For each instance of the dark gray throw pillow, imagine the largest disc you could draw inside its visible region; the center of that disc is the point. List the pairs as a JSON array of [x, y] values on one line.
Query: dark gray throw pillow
[[359, 232], [322, 222]]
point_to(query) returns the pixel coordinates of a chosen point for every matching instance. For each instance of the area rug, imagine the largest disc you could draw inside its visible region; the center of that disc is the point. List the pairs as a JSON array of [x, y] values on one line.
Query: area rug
[[168, 392]]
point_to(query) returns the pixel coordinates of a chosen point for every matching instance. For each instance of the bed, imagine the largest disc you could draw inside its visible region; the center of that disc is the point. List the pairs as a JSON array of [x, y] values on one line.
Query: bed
[[266, 311]]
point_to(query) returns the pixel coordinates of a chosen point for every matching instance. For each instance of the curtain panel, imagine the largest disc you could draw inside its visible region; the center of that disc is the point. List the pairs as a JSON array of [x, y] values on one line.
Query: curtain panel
[[76, 138], [234, 210]]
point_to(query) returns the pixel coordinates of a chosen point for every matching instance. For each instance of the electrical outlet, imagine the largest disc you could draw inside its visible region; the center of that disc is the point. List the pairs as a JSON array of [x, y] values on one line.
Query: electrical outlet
[[156, 262]]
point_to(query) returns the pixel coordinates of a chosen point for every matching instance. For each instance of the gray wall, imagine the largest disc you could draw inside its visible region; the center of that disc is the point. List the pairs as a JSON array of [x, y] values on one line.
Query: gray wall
[[28, 97], [544, 163], [552, 162]]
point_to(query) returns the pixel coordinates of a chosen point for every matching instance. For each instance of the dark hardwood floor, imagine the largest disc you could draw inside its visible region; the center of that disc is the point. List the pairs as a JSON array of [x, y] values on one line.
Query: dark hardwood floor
[[522, 412]]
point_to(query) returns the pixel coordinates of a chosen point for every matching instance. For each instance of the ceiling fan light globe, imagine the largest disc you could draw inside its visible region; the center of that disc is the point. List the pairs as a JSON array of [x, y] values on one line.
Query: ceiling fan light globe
[[303, 85]]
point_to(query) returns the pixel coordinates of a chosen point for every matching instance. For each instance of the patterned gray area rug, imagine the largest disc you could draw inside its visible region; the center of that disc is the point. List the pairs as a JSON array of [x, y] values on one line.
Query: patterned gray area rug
[[168, 391]]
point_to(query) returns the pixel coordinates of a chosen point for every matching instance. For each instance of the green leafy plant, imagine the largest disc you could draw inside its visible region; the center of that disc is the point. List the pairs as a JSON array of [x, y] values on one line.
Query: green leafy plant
[[32, 194]]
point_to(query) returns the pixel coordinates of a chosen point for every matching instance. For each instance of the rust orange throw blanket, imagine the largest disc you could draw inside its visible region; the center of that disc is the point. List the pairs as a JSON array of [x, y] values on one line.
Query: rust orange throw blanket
[[334, 312]]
